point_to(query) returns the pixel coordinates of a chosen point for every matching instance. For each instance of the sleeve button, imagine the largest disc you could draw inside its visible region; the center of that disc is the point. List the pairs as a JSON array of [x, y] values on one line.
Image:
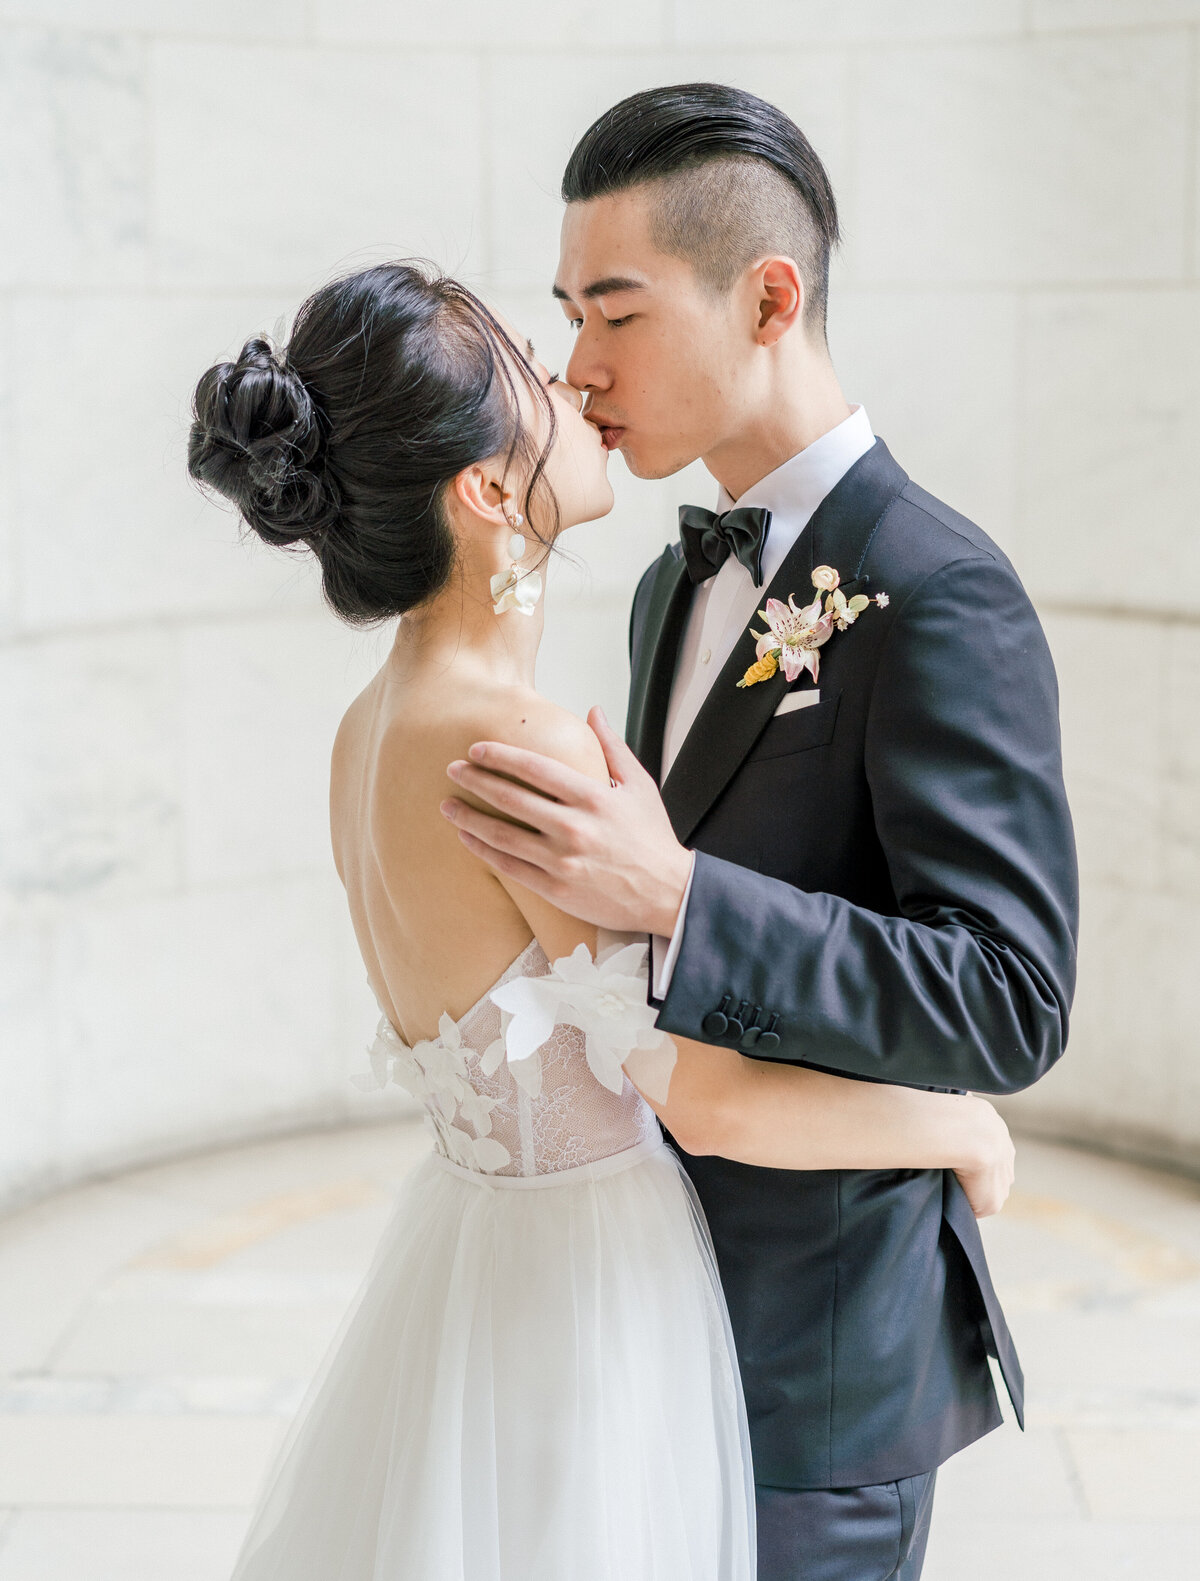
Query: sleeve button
[[716, 1021]]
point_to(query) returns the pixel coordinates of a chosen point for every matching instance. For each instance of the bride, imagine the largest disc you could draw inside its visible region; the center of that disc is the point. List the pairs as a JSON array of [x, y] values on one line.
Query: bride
[[536, 1380]]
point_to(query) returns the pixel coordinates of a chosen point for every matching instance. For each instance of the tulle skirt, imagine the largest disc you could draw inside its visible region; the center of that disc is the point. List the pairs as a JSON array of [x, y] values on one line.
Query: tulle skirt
[[536, 1381]]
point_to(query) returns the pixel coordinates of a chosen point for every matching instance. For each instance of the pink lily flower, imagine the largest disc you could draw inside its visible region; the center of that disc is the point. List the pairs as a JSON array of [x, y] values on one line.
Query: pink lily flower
[[796, 633]]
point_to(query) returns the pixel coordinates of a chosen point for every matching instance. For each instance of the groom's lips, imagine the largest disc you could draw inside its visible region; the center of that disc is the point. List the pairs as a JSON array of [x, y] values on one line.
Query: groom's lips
[[611, 436]]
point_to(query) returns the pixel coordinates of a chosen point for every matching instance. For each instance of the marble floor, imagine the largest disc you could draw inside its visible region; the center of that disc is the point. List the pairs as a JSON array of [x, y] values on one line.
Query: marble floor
[[156, 1330]]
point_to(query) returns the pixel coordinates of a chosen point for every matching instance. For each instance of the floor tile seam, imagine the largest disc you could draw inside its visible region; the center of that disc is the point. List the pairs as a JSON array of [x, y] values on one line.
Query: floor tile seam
[[1074, 1476]]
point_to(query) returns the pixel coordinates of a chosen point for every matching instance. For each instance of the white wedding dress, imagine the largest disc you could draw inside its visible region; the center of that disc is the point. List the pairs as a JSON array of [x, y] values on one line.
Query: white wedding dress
[[536, 1380]]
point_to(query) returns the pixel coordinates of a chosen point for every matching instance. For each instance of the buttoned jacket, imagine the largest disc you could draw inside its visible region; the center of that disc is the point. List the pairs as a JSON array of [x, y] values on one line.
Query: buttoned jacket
[[884, 887]]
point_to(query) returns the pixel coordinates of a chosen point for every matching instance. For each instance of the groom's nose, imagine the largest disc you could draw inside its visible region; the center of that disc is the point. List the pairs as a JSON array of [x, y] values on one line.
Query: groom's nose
[[585, 369]]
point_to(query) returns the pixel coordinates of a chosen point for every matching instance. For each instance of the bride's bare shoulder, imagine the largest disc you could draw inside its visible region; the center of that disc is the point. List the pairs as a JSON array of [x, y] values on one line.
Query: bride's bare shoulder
[[535, 723], [515, 715], [352, 733]]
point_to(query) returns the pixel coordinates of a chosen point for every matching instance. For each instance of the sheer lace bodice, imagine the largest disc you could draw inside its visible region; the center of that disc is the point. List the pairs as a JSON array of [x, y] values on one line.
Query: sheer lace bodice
[[529, 1081]]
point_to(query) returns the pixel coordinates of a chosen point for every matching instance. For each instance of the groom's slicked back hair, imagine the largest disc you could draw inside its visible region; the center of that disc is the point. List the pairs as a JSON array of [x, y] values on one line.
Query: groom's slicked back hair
[[736, 179]]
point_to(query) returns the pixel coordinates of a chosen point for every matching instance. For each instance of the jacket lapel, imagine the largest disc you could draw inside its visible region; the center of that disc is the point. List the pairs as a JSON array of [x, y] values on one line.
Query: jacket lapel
[[654, 669], [730, 721]]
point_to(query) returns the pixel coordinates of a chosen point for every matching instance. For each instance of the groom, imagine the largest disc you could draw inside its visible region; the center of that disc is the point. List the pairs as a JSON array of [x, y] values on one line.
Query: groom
[[861, 860]]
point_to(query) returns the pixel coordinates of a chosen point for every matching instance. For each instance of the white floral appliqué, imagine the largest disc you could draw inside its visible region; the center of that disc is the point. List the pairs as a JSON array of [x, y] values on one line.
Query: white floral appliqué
[[605, 998], [435, 1071]]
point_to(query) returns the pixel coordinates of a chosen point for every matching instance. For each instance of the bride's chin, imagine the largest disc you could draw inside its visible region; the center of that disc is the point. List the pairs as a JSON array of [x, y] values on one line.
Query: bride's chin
[[605, 509]]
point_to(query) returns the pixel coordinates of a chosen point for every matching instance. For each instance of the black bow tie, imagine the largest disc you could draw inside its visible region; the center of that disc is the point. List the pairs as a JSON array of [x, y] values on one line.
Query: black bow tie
[[708, 538]]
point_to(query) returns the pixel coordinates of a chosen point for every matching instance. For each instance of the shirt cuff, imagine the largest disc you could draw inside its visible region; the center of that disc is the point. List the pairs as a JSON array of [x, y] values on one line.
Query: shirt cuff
[[664, 963]]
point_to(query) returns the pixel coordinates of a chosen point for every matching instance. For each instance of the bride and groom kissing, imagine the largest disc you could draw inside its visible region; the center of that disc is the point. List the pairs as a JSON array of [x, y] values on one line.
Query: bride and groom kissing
[[690, 1286]]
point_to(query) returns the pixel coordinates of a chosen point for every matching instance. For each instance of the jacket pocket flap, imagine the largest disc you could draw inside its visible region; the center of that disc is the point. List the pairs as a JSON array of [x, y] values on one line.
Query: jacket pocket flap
[[797, 731]]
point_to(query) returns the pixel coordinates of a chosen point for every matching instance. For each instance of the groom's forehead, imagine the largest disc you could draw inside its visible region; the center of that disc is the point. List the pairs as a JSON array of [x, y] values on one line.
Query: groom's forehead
[[605, 246]]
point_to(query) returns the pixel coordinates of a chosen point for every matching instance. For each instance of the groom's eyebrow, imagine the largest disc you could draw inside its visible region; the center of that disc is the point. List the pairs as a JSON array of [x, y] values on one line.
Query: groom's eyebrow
[[609, 286]]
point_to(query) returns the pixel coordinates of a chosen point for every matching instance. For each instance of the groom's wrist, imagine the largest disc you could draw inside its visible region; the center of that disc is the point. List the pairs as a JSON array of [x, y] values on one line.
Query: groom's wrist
[[670, 890]]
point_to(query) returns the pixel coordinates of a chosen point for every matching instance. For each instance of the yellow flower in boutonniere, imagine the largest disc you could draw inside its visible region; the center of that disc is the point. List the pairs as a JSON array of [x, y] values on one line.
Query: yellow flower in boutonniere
[[761, 670], [795, 634]]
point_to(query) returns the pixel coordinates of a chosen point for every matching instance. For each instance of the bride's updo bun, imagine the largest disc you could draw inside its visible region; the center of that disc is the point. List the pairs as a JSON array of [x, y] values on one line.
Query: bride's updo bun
[[394, 380], [257, 440]]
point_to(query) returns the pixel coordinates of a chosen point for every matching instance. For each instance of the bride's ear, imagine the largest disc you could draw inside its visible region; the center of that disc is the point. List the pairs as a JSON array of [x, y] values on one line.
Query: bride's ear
[[480, 490]]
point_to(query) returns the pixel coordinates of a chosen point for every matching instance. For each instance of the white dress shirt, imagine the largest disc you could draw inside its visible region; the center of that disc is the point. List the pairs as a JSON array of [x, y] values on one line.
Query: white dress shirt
[[724, 605]]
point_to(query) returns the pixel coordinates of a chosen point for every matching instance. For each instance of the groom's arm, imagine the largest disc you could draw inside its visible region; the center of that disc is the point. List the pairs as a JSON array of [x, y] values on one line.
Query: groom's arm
[[969, 984], [968, 981]]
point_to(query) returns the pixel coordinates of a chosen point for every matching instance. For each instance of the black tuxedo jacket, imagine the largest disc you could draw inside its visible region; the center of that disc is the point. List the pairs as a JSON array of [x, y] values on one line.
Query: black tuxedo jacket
[[884, 887]]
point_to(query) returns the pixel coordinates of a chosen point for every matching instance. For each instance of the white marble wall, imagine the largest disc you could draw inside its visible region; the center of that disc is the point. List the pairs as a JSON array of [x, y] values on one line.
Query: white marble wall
[[1016, 304]]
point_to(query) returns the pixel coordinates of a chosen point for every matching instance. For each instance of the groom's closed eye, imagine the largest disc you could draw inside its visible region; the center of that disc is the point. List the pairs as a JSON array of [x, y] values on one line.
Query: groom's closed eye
[[613, 323], [611, 285]]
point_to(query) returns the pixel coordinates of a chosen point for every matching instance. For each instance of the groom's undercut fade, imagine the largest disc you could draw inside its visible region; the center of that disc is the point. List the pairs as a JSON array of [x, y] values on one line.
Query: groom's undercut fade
[[733, 179]]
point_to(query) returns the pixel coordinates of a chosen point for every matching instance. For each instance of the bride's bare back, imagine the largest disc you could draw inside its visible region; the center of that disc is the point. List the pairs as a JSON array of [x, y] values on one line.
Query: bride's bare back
[[435, 925]]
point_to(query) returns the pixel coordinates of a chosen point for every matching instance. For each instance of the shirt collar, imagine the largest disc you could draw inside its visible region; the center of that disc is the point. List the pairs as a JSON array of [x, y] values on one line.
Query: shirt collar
[[793, 491]]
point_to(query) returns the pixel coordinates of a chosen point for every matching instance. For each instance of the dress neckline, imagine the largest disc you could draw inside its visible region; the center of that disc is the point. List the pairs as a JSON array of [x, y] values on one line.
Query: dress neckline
[[471, 1009]]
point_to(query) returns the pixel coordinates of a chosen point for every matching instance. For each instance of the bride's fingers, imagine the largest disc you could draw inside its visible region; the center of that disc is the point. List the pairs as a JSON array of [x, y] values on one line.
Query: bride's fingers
[[530, 806], [545, 774]]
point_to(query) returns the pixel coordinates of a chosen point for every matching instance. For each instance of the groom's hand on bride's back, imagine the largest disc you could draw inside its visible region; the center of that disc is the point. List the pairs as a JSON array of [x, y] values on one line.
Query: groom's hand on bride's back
[[605, 853]]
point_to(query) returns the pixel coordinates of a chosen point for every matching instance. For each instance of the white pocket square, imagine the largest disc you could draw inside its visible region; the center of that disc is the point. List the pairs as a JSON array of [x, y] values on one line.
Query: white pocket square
[[792, 700]]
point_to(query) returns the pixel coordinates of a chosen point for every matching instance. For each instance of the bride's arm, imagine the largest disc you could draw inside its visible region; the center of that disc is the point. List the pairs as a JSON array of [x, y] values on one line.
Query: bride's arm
[[792, 1117]]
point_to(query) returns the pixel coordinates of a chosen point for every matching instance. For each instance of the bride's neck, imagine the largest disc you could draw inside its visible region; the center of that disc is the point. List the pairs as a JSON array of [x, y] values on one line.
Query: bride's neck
[[460, 629]]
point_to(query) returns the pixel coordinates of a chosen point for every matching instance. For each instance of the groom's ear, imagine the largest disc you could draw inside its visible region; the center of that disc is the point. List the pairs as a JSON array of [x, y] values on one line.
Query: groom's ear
[[776, 288]]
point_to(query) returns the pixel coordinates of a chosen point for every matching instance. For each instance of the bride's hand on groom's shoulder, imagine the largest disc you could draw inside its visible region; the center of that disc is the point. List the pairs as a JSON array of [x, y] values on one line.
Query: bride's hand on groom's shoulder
[[987, 1178], [604, 852]]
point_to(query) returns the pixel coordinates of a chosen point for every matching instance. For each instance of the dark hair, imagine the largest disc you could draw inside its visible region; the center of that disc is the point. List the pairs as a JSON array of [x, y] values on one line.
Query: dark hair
[[343, 442], [738, 178]]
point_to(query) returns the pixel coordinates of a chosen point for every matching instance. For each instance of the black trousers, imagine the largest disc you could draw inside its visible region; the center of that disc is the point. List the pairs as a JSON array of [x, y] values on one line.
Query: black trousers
[[876, 1533]]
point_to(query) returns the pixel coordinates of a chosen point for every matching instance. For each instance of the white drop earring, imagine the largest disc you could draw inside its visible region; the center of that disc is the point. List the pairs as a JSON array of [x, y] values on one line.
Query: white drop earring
[[515, 589]]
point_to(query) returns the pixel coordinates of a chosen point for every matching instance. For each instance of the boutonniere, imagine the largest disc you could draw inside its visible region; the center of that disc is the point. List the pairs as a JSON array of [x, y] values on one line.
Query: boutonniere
[[795, 635]]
